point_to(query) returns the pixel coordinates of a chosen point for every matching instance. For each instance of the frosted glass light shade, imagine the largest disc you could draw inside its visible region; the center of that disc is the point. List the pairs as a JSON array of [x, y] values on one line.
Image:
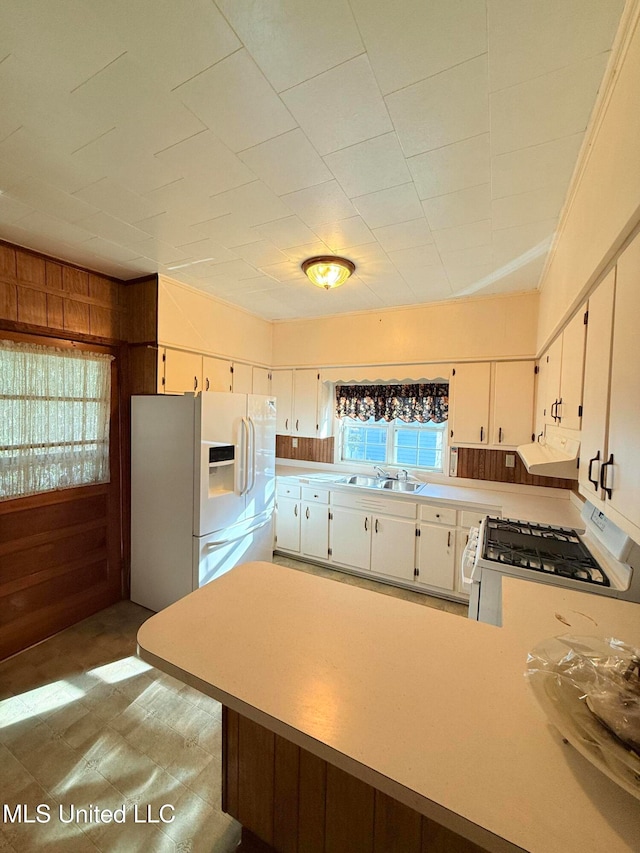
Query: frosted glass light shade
[[328, 271]]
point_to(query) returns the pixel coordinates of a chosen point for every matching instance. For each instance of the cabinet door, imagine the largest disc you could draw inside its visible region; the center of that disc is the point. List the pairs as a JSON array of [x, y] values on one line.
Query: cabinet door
[[393, 547], [596, 387], [571, 372], [242, 378], [282, 390], [182, 371], [315, 530], [541, 398], [553, 368], [261, 381], [305, 403], [623, 476], [217, 374], [471, 404], [436, 556], [513, 402], [288, 524], [351, 538]]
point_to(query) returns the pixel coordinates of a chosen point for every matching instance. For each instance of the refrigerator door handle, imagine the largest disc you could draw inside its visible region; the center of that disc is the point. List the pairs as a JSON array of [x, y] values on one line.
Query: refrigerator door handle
[[220, 542], [245, 456], [252, 428]]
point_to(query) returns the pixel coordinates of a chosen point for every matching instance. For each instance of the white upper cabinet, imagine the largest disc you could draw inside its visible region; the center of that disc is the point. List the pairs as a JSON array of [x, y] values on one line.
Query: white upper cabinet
[[261, 381], [217, 374], [282, 390], [242, 378], [471, 389], [596, 387], [181, 371], [621, 474], [512, 409], [560, 378], [296, 393]]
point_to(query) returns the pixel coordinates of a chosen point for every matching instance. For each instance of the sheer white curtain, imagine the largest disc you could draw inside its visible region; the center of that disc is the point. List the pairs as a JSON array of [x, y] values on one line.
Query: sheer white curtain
[[54, 418]]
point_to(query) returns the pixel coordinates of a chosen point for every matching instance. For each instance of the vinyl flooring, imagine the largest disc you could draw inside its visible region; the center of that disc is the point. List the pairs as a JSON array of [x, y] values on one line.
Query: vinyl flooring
[[85, 724]]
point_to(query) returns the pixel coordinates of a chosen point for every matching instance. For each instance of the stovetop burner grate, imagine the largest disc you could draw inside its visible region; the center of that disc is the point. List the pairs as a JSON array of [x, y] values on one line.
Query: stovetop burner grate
[[541, 548]]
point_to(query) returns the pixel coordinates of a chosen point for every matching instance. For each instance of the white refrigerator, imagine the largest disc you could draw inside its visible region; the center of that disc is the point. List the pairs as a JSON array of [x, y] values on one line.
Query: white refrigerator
[[202, 490]]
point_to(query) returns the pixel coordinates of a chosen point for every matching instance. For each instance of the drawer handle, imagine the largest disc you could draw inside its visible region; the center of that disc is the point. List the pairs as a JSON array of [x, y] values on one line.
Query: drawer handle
[[366, 527], [500, 436], [207, 388], [481, 433], [195, 383], [297, 422], [376, 527], [286, 423], [307, 512], [295, 510], [449, 540]]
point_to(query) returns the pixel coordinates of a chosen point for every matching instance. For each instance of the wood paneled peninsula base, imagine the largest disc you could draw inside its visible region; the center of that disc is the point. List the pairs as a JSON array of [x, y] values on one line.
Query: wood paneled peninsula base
[[290, 801]]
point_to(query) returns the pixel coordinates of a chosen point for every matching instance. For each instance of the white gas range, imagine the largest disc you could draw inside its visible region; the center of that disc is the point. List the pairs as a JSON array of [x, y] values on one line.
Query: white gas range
[[591, 561]]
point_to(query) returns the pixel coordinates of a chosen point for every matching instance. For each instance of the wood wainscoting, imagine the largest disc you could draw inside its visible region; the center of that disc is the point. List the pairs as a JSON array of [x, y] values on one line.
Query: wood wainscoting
[[290, 801], [479, 463], [309, 449]]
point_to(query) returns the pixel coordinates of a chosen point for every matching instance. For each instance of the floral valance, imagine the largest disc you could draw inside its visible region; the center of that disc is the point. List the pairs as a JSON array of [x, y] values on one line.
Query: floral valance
[[408, 403]]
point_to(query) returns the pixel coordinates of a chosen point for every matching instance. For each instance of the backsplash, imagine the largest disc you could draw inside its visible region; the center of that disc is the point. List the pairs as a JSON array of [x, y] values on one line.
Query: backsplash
[[477, 463], [309, 449]]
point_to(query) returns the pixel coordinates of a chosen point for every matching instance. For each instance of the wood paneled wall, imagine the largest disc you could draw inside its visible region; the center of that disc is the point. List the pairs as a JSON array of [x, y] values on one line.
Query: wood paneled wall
[[65, 554], [478, 463], [309, 449], [290, 801]]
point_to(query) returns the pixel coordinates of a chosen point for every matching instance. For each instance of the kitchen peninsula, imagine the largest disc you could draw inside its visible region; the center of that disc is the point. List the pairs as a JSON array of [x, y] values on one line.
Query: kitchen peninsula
[[421, 708]]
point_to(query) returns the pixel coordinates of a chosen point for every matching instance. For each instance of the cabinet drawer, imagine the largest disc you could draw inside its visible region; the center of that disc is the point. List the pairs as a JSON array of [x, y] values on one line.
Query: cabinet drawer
[[285, 490], [438, 514], [318, 496], [371, 503], [474, 517]]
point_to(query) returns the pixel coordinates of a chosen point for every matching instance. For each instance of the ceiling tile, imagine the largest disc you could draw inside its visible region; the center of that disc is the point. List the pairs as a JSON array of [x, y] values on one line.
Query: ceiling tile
[[298, 254], [525, 276], [234, 99], [253, 203], [287, 163], [532, 206], [413, 40], [183, 198], [230, 230], [522, 243], [110, 250], [549, 107], [162, 253], [169, 227], [292, 41], [236, 270], [387, 207], [347, 232], [409, 261], [11, 210], [204, 251], [51, 200], [530, 39], [110, 228], [550, 164], [50, 226], [260, 253], [118, 201], [156, 31], [472, 257], [429, 284], [404, 235], [459, 208], [287, 271], [422, 113], [475, 278], [203, 155], [463, 236], [376, 164], [283, 233], [321, 203], [454, 167], [341, 107]]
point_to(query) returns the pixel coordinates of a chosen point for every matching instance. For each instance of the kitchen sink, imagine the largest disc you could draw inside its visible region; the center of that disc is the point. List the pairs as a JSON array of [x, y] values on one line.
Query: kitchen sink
[[401, 486], [361, 480]]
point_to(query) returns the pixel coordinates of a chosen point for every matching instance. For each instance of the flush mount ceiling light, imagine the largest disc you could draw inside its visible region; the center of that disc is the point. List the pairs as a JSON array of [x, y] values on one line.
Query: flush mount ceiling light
[[328, 271]]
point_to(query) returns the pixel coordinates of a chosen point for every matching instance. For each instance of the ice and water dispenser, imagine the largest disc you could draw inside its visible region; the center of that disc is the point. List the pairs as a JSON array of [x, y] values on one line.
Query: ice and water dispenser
[[221, 468]]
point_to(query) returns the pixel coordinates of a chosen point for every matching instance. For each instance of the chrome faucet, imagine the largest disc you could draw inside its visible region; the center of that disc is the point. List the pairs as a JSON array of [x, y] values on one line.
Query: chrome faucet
[[383, 474], [406, 475]]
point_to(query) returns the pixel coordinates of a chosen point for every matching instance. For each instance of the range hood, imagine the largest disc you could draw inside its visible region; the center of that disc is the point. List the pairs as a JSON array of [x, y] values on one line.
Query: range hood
[[555, 455]]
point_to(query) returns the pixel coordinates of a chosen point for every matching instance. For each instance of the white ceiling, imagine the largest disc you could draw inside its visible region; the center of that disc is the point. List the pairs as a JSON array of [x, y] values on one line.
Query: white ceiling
[[430, 141]]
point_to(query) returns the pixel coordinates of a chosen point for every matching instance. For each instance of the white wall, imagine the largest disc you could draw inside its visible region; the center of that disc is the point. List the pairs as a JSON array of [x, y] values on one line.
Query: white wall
[[193, 320], [605, 205], [482, 328]]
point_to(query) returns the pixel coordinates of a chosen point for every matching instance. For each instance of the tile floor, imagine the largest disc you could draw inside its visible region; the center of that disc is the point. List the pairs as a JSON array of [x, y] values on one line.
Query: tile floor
[[84, 722]]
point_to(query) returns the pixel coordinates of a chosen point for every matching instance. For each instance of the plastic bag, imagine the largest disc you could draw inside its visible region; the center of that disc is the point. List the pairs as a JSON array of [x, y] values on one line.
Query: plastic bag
[[589, 687]]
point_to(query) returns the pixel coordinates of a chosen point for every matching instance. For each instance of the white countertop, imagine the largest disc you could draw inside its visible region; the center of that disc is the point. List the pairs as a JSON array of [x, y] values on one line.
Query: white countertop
[[429, 707], [531, 503]]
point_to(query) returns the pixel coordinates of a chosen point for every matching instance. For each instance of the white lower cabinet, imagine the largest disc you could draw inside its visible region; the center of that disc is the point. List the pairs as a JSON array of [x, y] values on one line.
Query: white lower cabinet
[[314, 523], [393, 542], [351, 537], [436, 556], [288, 524]]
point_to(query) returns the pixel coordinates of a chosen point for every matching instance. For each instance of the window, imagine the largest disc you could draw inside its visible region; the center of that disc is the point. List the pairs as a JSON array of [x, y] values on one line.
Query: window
[[401, 425], [54, 418], [411, 445]]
